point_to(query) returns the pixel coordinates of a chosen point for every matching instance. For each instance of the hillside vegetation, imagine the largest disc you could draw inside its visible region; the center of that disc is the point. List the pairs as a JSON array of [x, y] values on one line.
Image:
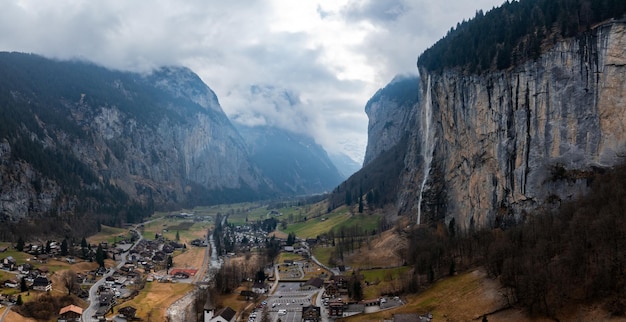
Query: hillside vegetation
[[515, 32]]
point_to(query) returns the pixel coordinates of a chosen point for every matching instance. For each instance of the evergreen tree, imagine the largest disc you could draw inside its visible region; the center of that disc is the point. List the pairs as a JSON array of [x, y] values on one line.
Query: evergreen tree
[[23, 286], [64, 247], [177, 236], [100, 256], [19, 300], [20, 244]]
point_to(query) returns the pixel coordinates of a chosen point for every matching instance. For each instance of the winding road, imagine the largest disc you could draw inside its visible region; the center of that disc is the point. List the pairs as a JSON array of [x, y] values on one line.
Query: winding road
[[89, 312]]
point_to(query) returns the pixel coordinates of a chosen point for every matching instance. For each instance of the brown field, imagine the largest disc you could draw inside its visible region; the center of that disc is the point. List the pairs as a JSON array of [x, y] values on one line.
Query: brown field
[[464, 297], [153, 301], [14, 317], [377, 252], [191, 258]]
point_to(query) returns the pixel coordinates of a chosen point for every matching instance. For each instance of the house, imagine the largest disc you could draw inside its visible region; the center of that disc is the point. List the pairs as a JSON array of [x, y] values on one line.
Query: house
[[224, 315], [247, 294], [106, 299], [109, 281], [42, 283], [312, 284], [336, 308], [260, 288], [70, 313], [311, 314], [128, 312], [340, 280], [9, 263], [11, 283]]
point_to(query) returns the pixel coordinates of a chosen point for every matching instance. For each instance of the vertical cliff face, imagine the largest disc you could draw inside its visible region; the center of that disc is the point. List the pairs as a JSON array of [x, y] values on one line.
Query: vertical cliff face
[[512, 141], [389, 113], [78, 138]]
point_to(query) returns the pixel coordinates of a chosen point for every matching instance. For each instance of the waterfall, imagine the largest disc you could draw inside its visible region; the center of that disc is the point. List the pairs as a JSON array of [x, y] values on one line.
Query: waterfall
[[428, 145]]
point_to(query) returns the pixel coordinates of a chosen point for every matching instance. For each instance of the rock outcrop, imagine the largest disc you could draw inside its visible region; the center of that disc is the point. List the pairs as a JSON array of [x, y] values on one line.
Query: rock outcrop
[[389, 112], [78, 138], [522, 139]]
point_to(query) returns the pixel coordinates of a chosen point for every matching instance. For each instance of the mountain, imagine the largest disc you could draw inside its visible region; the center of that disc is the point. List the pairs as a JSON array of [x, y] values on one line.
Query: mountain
[[293, 162], [519, 109], [80, 141], [388, 112], [344, 164]]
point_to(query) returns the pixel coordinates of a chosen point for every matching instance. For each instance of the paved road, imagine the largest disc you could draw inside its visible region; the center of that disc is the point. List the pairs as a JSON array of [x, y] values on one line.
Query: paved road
[[93, 297], [5, 313]]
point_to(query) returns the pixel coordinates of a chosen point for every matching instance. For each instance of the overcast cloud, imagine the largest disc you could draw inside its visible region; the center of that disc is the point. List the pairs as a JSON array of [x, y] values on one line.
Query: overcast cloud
[[308, 66]]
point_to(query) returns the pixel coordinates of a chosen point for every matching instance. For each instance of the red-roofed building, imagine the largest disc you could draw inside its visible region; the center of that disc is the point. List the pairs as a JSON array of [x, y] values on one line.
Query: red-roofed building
[[70, 313]]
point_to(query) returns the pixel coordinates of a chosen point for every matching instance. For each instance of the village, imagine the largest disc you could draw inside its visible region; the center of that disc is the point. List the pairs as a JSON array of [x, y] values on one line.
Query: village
[[297, 287]]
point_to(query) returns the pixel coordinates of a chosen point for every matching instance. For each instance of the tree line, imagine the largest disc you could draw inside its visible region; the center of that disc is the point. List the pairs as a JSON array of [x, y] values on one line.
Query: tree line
[[515, 32], [552, 260]]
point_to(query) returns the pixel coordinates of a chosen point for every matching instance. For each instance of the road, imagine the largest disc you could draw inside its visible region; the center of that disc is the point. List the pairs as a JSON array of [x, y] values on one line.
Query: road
[[5, 313], [93, 296]]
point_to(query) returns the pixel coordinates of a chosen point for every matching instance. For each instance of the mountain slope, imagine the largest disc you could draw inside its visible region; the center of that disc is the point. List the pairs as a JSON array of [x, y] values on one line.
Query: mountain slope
[[293, 162], [79, 139]]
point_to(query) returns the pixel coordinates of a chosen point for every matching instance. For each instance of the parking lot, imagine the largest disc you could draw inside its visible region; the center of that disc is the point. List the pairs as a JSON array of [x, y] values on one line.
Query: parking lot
[[287, 303]]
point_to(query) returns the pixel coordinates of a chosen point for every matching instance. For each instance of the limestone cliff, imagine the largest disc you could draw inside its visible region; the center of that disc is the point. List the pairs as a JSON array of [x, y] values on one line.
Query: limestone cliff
[[389, 115], [525, 138], [77, 139]]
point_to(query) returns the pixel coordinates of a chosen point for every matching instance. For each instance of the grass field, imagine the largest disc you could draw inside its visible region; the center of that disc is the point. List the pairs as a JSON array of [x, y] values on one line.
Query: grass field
[[459, 298], [108, 234], [314, 227], [153, 301], [323, 254]]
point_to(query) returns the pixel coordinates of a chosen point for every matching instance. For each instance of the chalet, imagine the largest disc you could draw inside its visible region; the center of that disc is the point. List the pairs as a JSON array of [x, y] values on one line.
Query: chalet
[[311, 314], [105, 299], [341, 281], [9, 263], [128, 312], [11, 283], [199, 243], [25, 268], [331, 290], [42, 283], [247, 294], [181, 275], [260, 288], [70, 313], [109, 281], [224, 315], [336, 308], [3, 249], [312, 284]]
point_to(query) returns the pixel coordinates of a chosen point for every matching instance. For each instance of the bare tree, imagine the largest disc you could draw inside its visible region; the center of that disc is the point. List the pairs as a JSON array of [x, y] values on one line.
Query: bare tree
[[70, 281]]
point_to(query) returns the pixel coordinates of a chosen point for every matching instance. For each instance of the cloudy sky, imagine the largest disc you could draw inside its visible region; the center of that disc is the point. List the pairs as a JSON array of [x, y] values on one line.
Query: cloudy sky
[[305, 65]]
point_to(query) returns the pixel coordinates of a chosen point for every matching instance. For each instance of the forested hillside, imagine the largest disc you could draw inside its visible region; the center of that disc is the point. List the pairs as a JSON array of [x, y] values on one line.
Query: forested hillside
[[516, 32]]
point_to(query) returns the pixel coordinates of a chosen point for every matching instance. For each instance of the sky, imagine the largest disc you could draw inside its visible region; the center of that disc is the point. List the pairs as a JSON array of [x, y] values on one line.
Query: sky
[[308, 66]]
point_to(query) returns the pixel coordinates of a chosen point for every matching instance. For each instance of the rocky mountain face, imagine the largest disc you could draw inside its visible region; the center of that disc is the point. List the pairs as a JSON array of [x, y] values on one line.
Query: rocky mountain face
[[77, 138], [293, 162], [389, 113], [508, 142]]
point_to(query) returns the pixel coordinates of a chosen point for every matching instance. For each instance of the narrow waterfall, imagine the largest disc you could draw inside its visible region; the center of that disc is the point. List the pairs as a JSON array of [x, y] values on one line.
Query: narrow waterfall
[[428, 145]]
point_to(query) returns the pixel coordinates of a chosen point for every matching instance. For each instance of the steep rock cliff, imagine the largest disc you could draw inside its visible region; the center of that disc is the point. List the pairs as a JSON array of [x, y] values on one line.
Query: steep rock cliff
[[77, 139], [389, 113], [529, 137]]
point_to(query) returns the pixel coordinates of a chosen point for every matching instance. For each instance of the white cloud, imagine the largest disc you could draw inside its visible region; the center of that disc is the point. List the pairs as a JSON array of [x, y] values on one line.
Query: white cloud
[[332, 55]]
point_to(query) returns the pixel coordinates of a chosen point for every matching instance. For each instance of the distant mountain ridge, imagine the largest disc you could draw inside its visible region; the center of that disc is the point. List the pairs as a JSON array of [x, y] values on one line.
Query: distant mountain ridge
[[81, 141], [293, 162]]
